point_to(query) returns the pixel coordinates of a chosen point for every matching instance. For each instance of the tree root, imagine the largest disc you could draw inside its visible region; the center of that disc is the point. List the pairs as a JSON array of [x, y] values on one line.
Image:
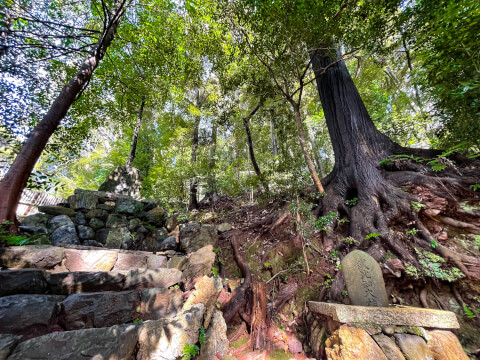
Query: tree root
[[458, 224]]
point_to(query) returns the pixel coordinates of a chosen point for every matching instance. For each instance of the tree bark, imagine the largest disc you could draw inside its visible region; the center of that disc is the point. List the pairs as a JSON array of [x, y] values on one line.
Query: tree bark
[[17, 176], [274, 138], [212, 188], [306, 154], [250, 146], [135, 133], [193, 158]]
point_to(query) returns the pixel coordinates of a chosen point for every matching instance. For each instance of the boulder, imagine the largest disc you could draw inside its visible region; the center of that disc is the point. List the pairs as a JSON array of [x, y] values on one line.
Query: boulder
[[224, 227], [80, 219], [99, 309], [97, 213], [177, 262], [206, 292], [160, 303], [118, 238], [364, 280], [96, 224], [65, 235], [388, 346], [25, 281], [161, 243], [199, 264], [128, 206], [413, 347], [85, 281], [444, 345], [106, 207], [156, 261], [56, 210], [170, 336], [113, 343], [85, 232], [116, 221], [156, 216], [34, 256], [7, 344], [102, 235], [134, 223], [83, 199], [194, 236], [152, 278], [59, 221], [171, 223], [37, 220], [124, 180], [348, 343], [90, 260], [215, 344], [26, 314]]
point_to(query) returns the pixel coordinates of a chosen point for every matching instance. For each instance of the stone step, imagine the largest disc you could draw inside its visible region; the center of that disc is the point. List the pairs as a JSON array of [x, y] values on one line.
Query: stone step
[[153, 339], [34, 315], [83, 258]]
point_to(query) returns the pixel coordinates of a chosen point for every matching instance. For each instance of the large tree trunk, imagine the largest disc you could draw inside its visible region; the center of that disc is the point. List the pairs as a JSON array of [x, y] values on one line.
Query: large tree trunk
[[193, 158], [212, 186], [250, 146], [135, 133], [274, 138], [15, 180]]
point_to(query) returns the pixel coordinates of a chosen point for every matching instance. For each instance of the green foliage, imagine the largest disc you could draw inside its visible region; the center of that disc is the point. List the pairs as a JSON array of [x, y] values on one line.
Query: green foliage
[[189, 351], [351, 202], [201, 336], [350, 240], [416, 206], [372, 235], [215, 272], [412, 231], [328, 280], [9, 239], [433, 266], [469, 312], [475, 187], [323, 221]]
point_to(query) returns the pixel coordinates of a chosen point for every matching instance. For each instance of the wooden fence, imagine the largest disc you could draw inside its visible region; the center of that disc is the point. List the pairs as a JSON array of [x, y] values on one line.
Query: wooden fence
[[30, 200]]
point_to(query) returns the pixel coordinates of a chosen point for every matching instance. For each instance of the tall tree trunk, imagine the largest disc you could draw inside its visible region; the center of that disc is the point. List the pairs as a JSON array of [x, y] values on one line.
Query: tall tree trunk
[[17, 176], [274, 138], [250, 146], [318, 161], [193, 159], [135, 133], [212, 187], [306, 153]]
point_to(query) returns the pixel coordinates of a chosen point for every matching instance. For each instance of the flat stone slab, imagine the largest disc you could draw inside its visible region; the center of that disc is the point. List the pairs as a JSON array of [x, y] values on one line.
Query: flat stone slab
[[23, 281], [84, 281], [400, 315]]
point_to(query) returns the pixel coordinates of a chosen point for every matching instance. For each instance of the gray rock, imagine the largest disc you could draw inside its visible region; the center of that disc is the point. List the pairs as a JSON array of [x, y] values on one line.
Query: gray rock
[[7, 344], [124, 180], [155, 241], [215, 343], [65, 235], [194, 236], [99, 309], [34, 256], [83, 199], [199, 264], [134, 223], [364, 280], [156, 261], [413, 347], [58, 221], [25, 281], [160, 303], [56, 210], [106, 207], [80, 219], [170, 335], [96, 224], [118, 238], [156, 216], [41, 239], [391, 351], [116, 221], [85, 232], [37, 220], [224, 227], [102, 235], [114, 343], [128, 206], [169, 243], [22, 314], [84, 281], [33, 229], [171, 223], [177, 262], [130, 261], [92, 243], [97, 213], [152, 278]]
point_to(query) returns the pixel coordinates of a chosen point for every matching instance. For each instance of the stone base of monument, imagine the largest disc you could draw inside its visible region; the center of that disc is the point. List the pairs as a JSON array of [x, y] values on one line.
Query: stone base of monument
[[364, 332]]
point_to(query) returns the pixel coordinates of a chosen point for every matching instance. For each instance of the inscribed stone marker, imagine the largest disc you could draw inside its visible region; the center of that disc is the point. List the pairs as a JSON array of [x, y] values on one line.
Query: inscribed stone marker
[[364, 280]]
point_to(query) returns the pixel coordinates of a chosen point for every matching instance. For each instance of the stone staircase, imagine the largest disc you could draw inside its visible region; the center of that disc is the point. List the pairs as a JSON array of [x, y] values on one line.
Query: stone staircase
[[80, 302]]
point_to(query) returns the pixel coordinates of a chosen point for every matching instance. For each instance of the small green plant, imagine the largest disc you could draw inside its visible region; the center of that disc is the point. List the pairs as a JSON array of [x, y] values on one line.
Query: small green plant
[[267, 265], [215, 272], [322, 222], [372, 235], [343, 220], [350, 240], [201, 336], [328, 280], [137, 321], [216, 250], [344, 292], [412, 232], [475, 187], [189, 351], [437, 165], [433, 244], [416, 206], [11, 239], [351, 202], [469, 312], [174, 287]]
